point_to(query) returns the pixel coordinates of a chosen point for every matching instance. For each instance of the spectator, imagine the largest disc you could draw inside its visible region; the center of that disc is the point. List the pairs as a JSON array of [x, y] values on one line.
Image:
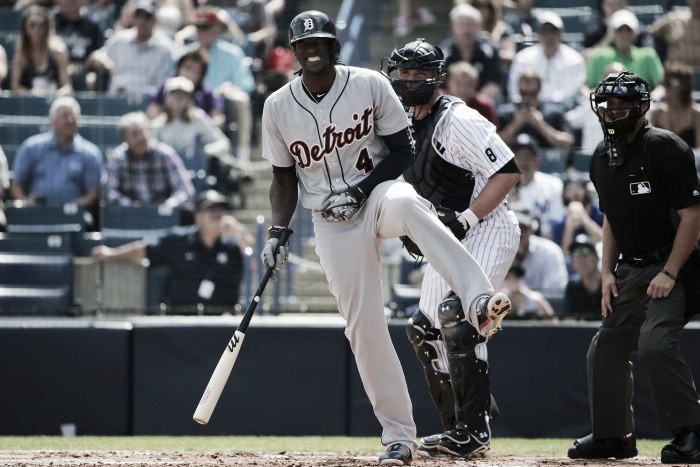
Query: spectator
[[4, 185], [597, 33], [228, 74], [142, 170], [545, 122], [624, 29], [542, 259], [468, 44], [523, 22], [182, 124], [584, 291], [462, 82], [582, 214], [255, 20], [677, 35], [58, 166], [127, 20], [81, 35], [3, 66], [410, 14], [526, 303], [498, 30], [193, 65], [137, 59], [679, 112], [40, 64], [538, 192], [206, 265], [104, 13], [562, 69]]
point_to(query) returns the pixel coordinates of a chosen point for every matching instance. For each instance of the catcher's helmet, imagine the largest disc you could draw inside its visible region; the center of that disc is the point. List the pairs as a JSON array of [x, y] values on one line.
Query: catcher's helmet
[[416, 55], [313, 23]]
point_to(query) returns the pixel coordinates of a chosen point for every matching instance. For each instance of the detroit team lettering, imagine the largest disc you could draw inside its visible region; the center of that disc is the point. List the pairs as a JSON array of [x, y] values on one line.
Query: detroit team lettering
[[332, 139]]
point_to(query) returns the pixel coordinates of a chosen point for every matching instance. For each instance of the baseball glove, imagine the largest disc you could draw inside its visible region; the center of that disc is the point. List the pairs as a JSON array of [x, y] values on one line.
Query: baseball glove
[[345, 205], [411, 246]]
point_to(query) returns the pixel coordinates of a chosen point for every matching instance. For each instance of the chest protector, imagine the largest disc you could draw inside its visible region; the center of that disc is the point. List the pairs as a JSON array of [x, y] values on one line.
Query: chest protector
[[443, 184]]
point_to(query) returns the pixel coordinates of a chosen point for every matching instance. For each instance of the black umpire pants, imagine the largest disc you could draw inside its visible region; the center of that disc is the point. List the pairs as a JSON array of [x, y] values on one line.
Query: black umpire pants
[[651, 327]]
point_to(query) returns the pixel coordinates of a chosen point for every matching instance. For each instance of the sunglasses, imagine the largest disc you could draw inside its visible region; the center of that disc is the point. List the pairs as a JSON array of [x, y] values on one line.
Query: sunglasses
[[581, 252]]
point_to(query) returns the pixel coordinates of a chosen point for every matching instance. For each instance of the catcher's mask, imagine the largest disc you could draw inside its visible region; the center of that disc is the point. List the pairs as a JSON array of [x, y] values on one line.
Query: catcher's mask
[[619, 101], [416, 55], [314, 23]]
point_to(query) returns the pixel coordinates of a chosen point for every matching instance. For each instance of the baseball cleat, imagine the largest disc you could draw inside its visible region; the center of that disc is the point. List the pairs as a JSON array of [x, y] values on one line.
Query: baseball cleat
[[428, 446], [396, 454], [490, 309], [462, 442]]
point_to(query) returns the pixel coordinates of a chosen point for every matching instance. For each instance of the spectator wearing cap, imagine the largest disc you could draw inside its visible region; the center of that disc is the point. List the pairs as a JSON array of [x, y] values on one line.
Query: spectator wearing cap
[[624, 28], [545, 122], [538, 192], [229, 73], [144, 171], [677, 35], [582, 214], [193, 65], [526, 303], [137, 59], [583, 293], [205, 264], [182, 125], [596, 33], [542, 259], [468, 42], [562, 68]]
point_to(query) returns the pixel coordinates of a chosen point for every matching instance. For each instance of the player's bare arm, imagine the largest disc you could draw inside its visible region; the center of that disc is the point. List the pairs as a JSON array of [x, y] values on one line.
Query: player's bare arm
[[494, 193], [283, 196]]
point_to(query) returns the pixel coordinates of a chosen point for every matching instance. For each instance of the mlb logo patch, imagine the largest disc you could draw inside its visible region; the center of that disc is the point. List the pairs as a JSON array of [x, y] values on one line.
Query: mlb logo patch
[[640, 188]]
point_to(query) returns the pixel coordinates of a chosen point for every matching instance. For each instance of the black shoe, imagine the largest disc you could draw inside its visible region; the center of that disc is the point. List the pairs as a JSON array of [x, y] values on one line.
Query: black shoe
[[428, 446], [684, 449], [463, 442], [589, 448], [396, 454]]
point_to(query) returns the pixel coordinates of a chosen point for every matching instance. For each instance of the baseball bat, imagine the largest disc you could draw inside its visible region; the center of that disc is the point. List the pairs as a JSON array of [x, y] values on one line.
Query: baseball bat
[[221, 373]]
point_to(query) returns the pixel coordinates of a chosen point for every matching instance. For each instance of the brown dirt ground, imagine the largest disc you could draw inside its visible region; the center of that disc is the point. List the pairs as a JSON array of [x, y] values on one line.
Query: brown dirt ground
[[282, 459]]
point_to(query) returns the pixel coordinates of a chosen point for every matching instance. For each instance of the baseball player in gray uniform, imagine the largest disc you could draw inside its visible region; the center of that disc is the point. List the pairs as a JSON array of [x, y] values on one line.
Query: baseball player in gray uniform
[[339, 137], [464, 168]]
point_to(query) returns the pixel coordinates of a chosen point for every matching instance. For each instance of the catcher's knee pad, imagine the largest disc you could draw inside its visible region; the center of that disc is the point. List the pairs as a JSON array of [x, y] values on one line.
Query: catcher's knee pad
[[420, 332], [457, 333]]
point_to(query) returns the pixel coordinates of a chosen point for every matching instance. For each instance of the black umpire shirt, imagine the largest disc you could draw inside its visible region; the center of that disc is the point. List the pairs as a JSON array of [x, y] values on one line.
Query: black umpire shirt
[[657, 178], [194, 269]]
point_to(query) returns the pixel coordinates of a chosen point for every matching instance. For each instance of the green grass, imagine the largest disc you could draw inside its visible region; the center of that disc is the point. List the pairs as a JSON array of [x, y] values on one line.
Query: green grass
[[511, 446]]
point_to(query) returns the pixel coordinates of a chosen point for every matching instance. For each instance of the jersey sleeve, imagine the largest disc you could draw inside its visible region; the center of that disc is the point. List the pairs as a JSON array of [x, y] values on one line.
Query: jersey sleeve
[[274, 149], [472, 142], [390, 116], [677, 168]]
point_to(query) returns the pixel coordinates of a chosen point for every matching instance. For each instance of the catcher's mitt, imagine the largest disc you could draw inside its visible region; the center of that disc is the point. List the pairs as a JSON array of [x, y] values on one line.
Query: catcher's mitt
[[344, 206], [410, 246]]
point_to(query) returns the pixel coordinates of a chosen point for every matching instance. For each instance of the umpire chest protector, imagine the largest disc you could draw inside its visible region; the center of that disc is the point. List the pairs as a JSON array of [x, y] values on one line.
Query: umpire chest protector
[[443, 184]]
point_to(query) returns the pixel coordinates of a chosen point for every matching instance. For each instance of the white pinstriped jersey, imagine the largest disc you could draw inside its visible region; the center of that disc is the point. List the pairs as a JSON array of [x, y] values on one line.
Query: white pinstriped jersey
[[470, 141], [335, 143]]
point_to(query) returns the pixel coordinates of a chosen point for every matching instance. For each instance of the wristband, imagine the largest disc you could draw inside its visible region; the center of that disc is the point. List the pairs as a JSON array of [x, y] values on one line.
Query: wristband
[[666, 273], [470, 218]]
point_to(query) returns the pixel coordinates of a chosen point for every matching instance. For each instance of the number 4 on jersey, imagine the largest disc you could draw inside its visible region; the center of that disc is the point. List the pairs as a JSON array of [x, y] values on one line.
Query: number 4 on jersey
[[364, 162]]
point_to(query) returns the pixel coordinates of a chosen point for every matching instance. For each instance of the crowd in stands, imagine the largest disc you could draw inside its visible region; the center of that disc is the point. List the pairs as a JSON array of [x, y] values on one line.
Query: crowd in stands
[[203, 68]]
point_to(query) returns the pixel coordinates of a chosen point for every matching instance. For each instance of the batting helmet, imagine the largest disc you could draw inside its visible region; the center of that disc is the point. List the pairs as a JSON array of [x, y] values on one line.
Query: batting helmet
[[313, 23], [416, 55]]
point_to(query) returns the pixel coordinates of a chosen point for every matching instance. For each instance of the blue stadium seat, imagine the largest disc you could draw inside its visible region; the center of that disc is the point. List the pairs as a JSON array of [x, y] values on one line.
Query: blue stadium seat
[[137, 222], [66, 218], [581, 160], [89, 240], [111, 106], [36, 243], [8, 40], [35, 300], [101, 134], [14, 104], [10, 19], [553, 160]]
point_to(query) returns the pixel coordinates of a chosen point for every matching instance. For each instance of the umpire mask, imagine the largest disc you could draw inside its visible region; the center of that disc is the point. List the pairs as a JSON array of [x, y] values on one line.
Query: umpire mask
[[416, 55]]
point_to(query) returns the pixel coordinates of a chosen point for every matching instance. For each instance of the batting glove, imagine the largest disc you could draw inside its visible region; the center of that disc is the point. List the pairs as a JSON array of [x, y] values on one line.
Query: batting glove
[[274, 254], [458, 223], [344, 206]]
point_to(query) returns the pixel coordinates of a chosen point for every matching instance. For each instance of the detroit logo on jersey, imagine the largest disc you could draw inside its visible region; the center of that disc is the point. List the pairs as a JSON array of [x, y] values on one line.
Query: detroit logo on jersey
[[306, 155]]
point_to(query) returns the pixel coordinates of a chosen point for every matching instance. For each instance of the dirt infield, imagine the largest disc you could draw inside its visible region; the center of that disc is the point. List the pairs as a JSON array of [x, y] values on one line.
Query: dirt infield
[[282, 459]]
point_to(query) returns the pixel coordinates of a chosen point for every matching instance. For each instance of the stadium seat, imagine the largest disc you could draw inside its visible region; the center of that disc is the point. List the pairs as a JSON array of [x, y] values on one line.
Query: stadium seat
[[581, 160], [8, 40], [10, 19], [137, 222], [99, 104], [554, 160], [36, 243], [89, 240], [21, 105], [66, 218]]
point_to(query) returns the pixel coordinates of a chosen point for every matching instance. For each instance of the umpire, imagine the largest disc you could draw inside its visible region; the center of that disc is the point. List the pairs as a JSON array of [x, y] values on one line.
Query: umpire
[[650, 195]]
